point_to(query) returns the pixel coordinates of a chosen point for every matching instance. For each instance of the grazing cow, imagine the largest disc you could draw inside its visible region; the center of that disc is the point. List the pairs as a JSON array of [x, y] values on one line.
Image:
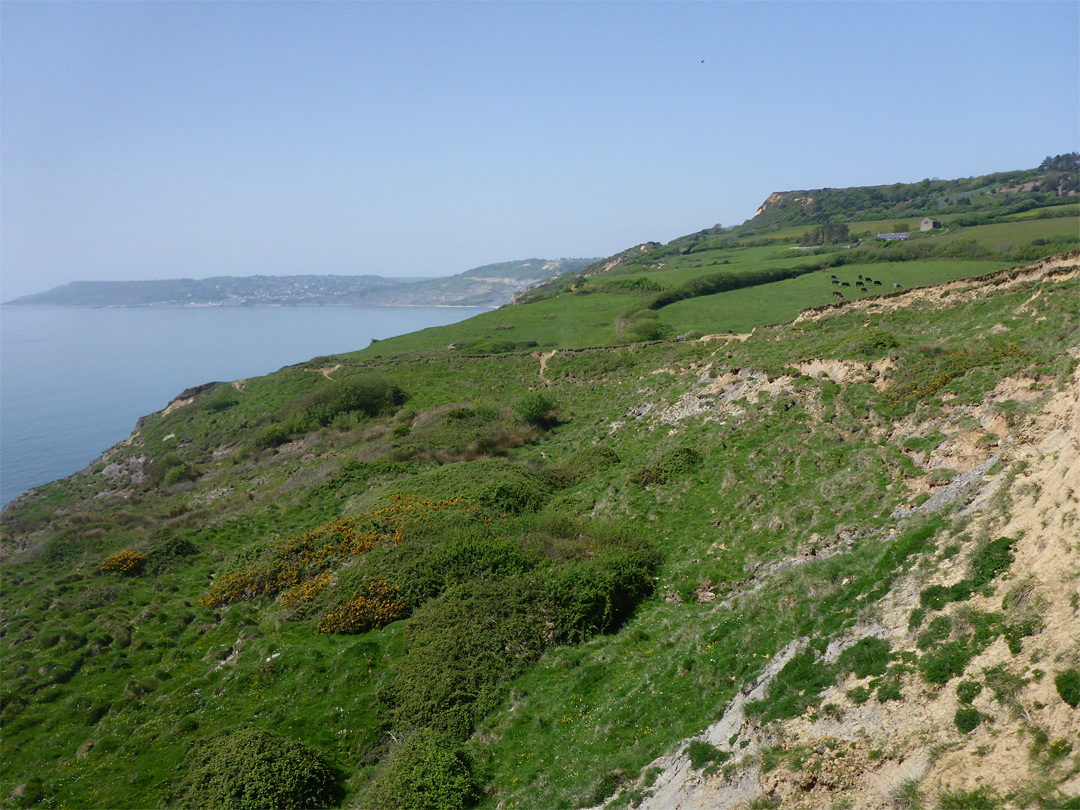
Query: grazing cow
[[833, 275], [845, 283], [860, 284], [897, 287], [838, 294], [860, 276], [877, 283], [835, 280], [868, 279]]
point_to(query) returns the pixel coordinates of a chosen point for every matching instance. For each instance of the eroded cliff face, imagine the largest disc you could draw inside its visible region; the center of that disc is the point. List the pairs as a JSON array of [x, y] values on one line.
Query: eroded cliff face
[[996, 727], [780, 198]]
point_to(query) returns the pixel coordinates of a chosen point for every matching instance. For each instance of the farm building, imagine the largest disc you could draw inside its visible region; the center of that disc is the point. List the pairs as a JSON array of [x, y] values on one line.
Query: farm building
[[929, 224], [899, 236]]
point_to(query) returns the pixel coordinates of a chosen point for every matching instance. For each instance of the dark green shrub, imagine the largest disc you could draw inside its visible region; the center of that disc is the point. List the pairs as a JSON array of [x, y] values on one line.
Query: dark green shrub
[[1068, 686], [168, 551], [254, 769], [580, 467], [368, 395], [461, 647], [967, 718], [535, 408], [274, 435], [672, 464], [169, 469], [178, 475], [869, 656], [428, 771], [464, 644]]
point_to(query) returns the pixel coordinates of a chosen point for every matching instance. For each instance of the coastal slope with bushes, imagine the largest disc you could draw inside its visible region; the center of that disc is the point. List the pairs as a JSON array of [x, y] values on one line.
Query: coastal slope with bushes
[[680, 527]]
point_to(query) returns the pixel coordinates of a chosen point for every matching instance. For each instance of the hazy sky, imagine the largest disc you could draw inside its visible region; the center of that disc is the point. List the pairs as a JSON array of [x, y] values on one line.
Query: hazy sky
[[168, 139]]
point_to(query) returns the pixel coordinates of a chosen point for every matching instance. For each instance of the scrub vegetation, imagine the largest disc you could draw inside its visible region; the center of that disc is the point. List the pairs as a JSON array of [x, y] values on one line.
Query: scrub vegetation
[[454, 570]]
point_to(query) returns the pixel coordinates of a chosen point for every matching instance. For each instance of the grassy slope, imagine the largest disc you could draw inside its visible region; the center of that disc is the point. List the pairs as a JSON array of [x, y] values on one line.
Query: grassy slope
[[110, 681], [586, 317]]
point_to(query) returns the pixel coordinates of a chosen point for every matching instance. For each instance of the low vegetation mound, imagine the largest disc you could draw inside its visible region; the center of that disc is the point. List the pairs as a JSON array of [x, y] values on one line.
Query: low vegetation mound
[[255, 769]]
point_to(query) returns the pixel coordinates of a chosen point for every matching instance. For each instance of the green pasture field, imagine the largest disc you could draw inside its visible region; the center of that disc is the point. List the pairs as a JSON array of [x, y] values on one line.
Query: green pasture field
[[1004, 235], [742, 310]]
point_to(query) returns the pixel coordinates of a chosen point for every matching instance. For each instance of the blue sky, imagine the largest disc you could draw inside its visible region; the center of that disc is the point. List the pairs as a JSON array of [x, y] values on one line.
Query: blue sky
[[169, 139]]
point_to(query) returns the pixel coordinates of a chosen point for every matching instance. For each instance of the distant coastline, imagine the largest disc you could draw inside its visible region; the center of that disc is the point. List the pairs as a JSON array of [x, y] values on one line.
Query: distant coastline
[[489, 286]]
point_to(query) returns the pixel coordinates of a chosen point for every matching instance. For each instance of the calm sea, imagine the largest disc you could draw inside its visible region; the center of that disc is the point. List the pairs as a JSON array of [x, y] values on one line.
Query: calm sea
[[73, 382]]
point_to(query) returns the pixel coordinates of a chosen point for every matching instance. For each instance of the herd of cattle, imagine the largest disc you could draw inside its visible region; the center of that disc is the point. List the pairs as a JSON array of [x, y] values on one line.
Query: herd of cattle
[[860, 285]]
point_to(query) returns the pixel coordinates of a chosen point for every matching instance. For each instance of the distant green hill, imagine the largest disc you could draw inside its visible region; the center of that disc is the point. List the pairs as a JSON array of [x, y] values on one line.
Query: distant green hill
[[1054, 182], [491, 285]]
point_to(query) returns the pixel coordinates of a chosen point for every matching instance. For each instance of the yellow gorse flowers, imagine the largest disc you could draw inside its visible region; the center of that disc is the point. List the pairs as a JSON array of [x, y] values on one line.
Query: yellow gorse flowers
[[374, 606], [301, 566], [126, 562]]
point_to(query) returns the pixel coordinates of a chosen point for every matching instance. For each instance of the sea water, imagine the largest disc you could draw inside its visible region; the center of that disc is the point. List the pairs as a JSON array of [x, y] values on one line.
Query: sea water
[[74, 381]]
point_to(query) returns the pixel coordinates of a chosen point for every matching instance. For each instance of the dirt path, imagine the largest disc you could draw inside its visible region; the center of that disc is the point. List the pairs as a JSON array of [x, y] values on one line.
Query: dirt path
[[543, 365], [326, 372]]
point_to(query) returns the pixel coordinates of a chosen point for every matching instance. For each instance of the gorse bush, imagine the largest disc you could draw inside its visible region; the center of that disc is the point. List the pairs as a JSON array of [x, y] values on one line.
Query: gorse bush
[[168, 551], [427, 771], [253, 769], [482, 631], [580, 467], [368, 395], [170, 469], [223, 398], [672, 464], [129, 563], [966, 719], [302, 560], [535, 407], [374, 605]]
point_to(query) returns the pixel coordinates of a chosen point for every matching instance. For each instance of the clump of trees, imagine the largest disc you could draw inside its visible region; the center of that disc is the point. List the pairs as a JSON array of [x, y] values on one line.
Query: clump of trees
[[830, 233]]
